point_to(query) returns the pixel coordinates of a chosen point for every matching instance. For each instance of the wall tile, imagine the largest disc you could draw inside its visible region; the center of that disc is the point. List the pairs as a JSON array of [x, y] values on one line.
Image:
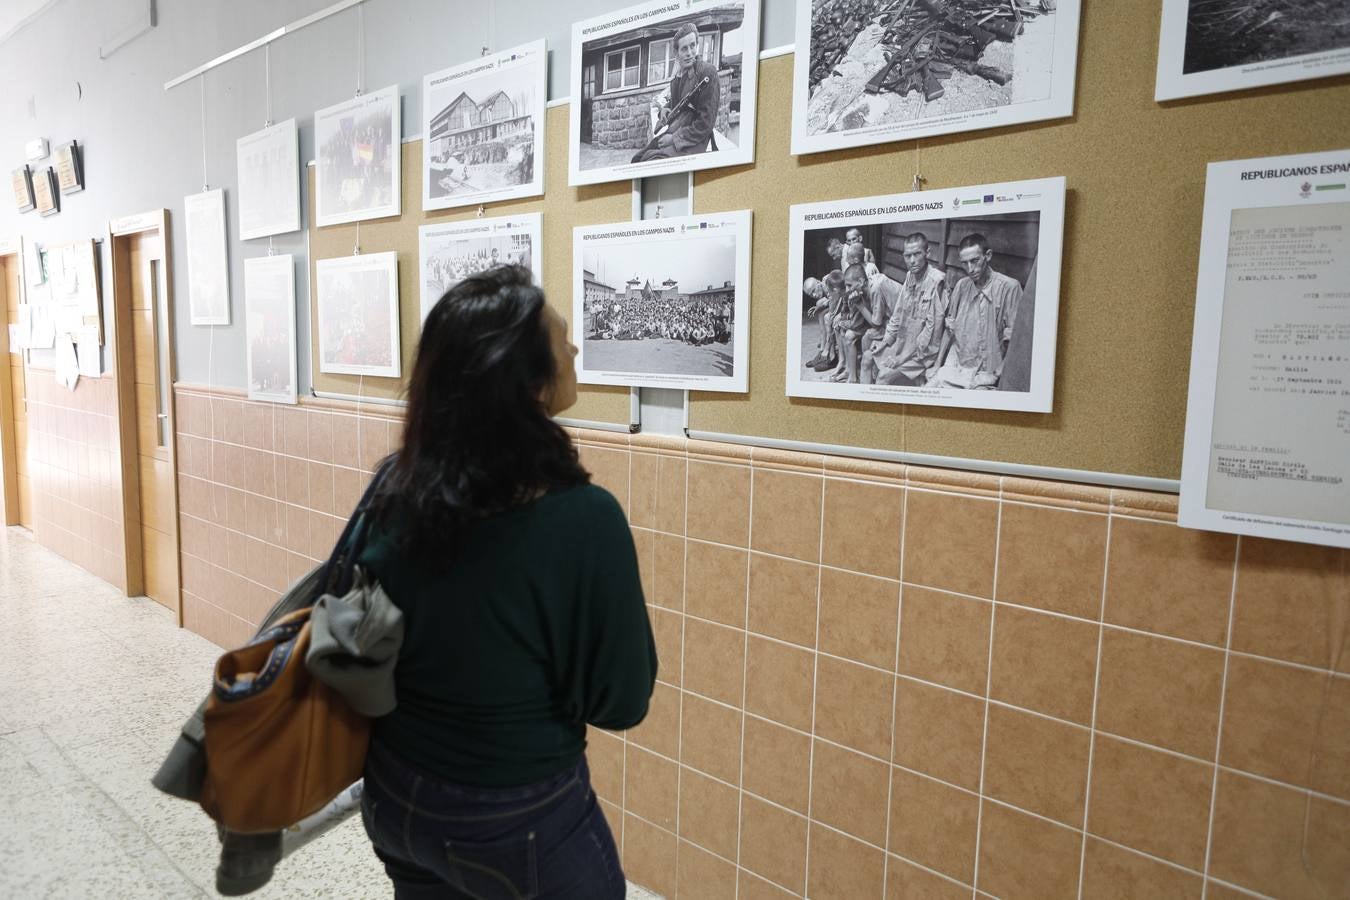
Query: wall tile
[[848, 792], [1025, 858], [293, 427], [668, 570], [773, 843], [719, 503], [373, 434], [934, 825], [660, 731], [842, 868], [614, 821], [1159, 691], [858, 616], [644, 547], [1170, 580], [934, 559], [717, 579], [710, 738], [671, 490], [862, 527], [1044, 663], [777, 763], [293, 480], [705, 876], [345, 436], [651, 786], [945, 638], [709, 813], [1036, 764], [786, 514], [649, 855], [1052, 559], [783, 599], [714, 661], [642, 498], [779, 682], [939, 732], [905, 881], [1112, 873], [854, 706], [1151, 801], [604, 754], [752, 887], [348, 486], [321, 436], [667, 627], [609, 469], [1292, 601], [322, 486]]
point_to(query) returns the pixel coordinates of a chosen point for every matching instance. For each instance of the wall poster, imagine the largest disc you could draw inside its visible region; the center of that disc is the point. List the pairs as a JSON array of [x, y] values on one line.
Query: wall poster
[[208, 269], [21, 180], [357, 174], [45, 194], [269, 310], [663, 87], [1211, 46], [452, 251], [358, 315], [939, 298], [869, 71], [1267, 448], [664, 303], [269, 181], [483, 129]]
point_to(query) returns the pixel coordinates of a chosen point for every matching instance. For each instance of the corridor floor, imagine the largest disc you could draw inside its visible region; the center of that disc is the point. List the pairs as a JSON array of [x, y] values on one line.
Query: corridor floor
[[93, 689]]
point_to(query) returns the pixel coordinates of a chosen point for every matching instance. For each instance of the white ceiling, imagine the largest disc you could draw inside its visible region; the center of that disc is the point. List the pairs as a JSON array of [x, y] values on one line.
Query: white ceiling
[[14, 13]]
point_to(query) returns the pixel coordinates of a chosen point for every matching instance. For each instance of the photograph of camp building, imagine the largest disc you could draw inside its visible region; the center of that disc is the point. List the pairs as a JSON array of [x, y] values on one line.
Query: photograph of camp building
[[484, 142]]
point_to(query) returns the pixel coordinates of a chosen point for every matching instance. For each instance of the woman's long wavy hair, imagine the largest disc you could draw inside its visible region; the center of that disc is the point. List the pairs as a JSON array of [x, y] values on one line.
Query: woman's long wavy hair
[[478, 438]]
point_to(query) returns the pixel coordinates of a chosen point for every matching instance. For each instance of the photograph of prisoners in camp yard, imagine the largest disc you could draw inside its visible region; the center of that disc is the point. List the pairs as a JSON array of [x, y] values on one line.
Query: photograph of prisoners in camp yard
[[880, 62], [1225, 33], [931, 303], [661, 308]]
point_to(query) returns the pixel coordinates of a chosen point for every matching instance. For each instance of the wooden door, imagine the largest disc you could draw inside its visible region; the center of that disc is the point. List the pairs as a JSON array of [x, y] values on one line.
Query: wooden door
[[16, 495]]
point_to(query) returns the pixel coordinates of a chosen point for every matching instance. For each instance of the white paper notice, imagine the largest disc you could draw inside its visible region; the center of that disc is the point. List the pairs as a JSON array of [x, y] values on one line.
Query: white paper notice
[[1268, 424], [44, 328], [67, 364], [87, 353]]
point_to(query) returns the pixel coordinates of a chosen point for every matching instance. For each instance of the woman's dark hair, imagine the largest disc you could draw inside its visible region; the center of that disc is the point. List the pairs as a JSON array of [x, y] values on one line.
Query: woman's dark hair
[[477, 438]]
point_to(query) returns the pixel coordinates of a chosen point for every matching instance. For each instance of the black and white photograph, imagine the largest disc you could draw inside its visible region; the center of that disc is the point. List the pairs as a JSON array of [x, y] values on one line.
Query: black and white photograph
[[359, 166], [208, 269], [357, 298], [663, 87], [888, 70], [269, 309], [1211, 46], [269, 181], [483, 129], [452, 251], [664, 303], [935, 298]]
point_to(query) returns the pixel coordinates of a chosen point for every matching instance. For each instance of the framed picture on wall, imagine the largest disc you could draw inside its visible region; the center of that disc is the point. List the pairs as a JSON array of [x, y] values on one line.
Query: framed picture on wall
[[1211, 46], [664, 303], [938, 298], [269, 181], [45, 194], [70, 168], [21, 180], [269, 311], [449, 252], [207, 260], [483, 129], [663, 87], [869, 72], [358, 315], [359, 167]]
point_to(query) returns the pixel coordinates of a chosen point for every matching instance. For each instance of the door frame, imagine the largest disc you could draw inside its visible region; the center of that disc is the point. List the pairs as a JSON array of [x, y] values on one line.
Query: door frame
[[9, 463], [120, 232]]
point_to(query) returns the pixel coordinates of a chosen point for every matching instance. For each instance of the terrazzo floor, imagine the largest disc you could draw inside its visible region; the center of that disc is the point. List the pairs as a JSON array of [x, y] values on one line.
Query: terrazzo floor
[[93, 689]]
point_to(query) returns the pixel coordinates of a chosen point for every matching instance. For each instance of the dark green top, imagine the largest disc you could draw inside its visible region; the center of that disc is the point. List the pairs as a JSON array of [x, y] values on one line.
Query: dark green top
[[535, 628]]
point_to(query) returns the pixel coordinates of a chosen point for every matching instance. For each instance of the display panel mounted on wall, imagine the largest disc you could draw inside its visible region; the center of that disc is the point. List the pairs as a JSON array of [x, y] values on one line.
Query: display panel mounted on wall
[[483, 129], [45, 194], [359, 166], [939, 298], [70, 168], [22, 181], [269, 311], [452, 251], [269, 181], [207, 262], [1211, 46], [357, 298], [664, 303], [1267, 448], [663, 87], [868, 72]]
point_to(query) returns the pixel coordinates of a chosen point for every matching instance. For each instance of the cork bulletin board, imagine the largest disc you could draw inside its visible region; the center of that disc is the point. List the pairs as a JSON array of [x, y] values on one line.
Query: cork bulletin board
[[1136, 179], [563, 207]]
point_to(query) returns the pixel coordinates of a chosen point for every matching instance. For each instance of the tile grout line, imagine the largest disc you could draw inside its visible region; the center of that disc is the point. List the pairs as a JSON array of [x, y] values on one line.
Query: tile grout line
[[1218, 736], [684, 630], [988, 688], [815, 686], [1096, 696], [895, 687], [745, 679]]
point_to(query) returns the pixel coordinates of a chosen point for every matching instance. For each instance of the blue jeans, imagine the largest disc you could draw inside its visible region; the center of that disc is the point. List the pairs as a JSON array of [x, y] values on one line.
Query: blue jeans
[[438, 839]]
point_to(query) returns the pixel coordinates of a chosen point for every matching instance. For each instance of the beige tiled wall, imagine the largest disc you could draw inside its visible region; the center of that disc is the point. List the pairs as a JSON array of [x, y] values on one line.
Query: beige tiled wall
[[891, 682], [75, 474]]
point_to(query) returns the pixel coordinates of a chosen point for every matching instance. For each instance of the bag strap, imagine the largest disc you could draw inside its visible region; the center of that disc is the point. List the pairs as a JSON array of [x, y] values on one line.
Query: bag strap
[[337, 573]]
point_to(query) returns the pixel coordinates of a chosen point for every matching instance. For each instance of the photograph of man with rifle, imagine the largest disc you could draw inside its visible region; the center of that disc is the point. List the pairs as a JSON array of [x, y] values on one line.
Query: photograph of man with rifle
[[686, 110]]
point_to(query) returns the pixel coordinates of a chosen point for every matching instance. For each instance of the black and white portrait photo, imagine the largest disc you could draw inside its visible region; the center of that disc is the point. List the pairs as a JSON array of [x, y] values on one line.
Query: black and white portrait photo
[[359, 167], [664, 88], [483, 129], [452, 251], [664, 303], [881, 71], [1209, 46], [921, 299]]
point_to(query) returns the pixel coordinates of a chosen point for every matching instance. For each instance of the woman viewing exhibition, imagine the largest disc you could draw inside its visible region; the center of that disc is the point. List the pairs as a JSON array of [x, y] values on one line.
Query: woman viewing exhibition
[[525, 619]]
